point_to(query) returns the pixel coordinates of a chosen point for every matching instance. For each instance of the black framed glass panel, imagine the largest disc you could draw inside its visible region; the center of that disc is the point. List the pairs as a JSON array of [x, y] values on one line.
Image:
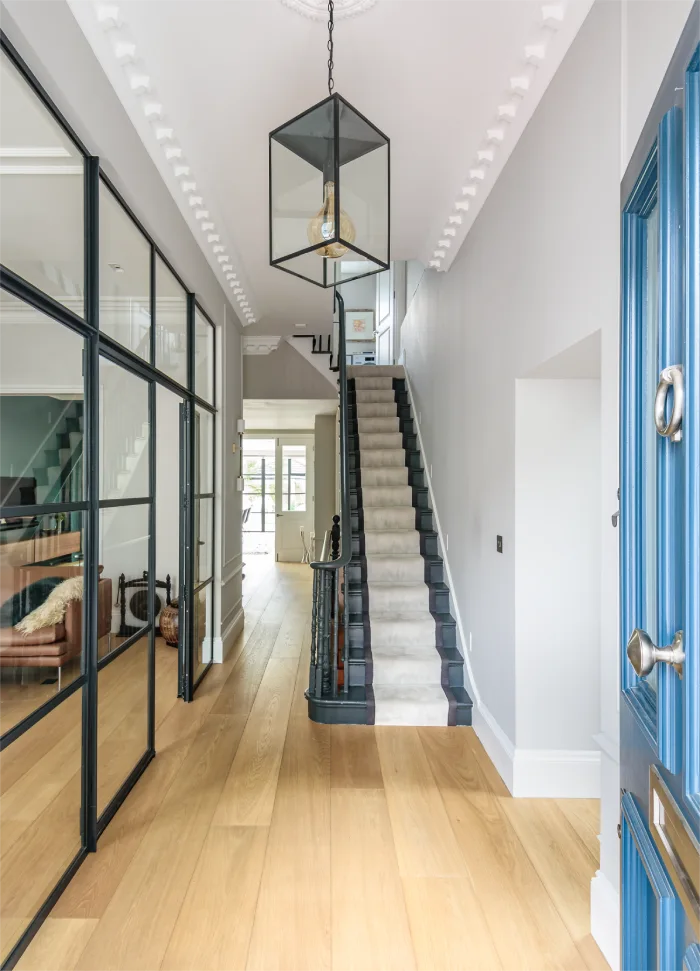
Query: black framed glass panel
[[125, 433], [41, 407], [204, 337], [204, 452], [171, 324], [204, 549], [122, 723], [40, 812], [124, 549], [41, 610], [125, 277], [41, 184]]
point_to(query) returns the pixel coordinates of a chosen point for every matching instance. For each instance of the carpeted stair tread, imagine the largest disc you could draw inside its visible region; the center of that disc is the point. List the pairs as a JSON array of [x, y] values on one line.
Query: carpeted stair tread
[[401, 598], [384, 517], [387, 496], [379, 424], [375, 409], [396, 569], [405, 670], [383, 440], [410, 705], [376, 397], [381, 542], [392, 630], [384, 477], [382, 458]]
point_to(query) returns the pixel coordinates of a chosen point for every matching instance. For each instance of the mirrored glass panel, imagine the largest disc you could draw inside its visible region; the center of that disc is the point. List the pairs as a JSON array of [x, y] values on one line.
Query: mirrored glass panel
[[41, 407], [40, 793], [41, 185], [124, 433], [171, 325], [122, 719], [125, 277], [203, 358], [123, 561], [41, 610]]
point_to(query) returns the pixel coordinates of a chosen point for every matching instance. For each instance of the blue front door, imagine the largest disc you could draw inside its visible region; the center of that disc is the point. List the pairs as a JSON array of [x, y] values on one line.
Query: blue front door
[[660, 535]]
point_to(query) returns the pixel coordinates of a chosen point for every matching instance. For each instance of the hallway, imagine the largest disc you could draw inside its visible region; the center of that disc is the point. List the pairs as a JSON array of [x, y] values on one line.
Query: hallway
[[258, 839]]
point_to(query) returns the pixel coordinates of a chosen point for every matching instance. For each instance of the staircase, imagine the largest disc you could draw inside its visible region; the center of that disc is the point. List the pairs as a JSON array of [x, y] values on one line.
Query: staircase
[[58, 472], [403, 640]]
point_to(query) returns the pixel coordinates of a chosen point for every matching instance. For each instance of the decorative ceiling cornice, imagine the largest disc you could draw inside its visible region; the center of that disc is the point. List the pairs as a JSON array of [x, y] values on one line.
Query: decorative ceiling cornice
[[136, 88], [260, 345], [551, 37], [318, 9]]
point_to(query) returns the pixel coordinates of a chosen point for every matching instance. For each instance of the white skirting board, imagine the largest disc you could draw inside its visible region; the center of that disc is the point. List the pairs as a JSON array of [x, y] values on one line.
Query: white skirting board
[[542, 773], [223, 644], [605, 918]]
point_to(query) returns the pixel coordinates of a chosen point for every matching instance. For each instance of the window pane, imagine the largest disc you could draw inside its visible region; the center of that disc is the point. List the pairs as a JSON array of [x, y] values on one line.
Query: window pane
[[41, 573], [41, 184], [204, 445], [203, 562], [122, 719], [40, 797], [125, 430], [293, 478], [203, 358], [123, 553], [125, 277], [41, 407], [171, 325]]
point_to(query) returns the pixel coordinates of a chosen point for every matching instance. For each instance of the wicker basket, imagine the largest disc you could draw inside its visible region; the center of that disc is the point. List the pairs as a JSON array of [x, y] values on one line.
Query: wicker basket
[[170, 623]]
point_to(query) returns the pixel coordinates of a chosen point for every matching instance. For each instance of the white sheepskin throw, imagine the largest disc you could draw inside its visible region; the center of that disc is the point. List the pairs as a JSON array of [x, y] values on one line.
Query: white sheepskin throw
[[53, 609]]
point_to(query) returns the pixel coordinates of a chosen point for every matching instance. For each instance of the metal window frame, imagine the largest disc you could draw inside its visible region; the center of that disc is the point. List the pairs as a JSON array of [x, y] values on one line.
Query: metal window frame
[[96, 345]]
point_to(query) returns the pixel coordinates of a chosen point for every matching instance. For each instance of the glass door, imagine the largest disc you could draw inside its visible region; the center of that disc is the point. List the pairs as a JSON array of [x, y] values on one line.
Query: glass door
[[294, 499]]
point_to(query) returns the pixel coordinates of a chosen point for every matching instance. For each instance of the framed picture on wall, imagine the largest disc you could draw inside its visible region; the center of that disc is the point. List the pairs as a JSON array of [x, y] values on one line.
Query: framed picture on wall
[[359, 325]]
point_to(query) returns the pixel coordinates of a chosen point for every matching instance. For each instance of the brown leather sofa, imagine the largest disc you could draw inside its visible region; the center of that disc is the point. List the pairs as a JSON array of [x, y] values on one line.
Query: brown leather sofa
[[54, 646]]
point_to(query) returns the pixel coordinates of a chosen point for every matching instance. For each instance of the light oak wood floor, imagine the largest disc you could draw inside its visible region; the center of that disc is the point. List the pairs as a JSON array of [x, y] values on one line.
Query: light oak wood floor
[[259, 840]]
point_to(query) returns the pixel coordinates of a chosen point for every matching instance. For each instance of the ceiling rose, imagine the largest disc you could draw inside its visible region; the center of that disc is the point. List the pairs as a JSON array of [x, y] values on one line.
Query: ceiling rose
[[318, 9]]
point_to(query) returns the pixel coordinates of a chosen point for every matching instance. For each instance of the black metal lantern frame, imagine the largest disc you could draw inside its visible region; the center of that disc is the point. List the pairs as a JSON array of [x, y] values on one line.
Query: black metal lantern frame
[[329, 156]]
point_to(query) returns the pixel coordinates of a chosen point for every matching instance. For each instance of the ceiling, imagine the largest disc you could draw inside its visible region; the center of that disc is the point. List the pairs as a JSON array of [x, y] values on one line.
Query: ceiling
[[284, 414], [429, 73]]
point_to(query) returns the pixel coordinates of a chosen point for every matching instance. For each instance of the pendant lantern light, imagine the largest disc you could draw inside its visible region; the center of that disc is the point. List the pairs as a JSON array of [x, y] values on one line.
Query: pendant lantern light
[[329, 191]]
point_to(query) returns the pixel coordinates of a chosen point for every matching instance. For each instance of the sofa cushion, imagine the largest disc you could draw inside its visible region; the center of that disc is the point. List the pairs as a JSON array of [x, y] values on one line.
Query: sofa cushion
[[47, 640]]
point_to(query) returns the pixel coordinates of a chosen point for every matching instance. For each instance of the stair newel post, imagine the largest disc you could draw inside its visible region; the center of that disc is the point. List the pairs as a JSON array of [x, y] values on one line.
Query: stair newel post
[[335, 538]]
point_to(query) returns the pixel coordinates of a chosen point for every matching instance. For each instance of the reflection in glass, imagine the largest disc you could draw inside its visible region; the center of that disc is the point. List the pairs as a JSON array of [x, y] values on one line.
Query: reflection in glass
[[41, 610], [204, 451], [125, 432], [203, 554], [202, 629], [124, 543], [41, 407], [125, 277], [122, 719], [171, 325], [41, 184], [650, 438], [293, 478], [203, 358], [40, 792]]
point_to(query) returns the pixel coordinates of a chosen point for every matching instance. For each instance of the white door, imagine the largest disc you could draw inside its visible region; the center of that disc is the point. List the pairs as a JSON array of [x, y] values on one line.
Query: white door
[[294, 484]]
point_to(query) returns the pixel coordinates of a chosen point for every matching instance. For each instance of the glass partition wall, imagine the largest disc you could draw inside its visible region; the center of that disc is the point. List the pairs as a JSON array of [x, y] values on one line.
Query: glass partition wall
[[92, 320]]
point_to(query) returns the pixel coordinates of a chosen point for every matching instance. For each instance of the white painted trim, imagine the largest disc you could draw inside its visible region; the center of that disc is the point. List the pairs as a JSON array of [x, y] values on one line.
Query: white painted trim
[[605, 918], [498, 746], [556, 773], [232, 573], [222, 645], [471, 687], [610, 746]]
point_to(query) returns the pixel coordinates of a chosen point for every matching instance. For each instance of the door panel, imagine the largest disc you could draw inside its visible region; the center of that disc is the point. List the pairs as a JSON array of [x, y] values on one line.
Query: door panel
[[294, 488], [659, 512]]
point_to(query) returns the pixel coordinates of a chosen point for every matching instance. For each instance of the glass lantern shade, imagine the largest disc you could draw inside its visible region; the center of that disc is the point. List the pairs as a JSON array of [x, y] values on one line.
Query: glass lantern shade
[[329, 195]]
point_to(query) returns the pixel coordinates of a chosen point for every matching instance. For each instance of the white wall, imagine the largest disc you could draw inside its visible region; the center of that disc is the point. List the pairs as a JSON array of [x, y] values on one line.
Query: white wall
[[537, 273], [557, 565]]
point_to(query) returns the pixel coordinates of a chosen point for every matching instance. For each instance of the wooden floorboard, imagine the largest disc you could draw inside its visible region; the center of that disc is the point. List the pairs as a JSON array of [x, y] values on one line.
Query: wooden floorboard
[[257, 839]]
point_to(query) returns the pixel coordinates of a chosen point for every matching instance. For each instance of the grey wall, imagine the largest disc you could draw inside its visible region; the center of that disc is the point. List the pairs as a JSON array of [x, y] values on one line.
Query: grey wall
[[27, 425], [282, 374], [324, 476]]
